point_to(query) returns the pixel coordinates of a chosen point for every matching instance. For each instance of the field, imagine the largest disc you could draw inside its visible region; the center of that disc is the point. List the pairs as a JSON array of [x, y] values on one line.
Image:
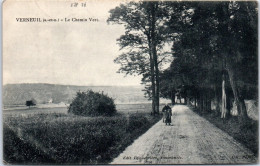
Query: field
[[51, 136]]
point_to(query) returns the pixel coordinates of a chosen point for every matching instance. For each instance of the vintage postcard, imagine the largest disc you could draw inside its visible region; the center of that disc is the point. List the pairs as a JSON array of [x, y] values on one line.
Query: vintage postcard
[[129, 82]]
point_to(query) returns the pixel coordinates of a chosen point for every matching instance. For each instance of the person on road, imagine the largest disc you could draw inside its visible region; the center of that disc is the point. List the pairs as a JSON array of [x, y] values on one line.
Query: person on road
[[168, 116], [164, 112]]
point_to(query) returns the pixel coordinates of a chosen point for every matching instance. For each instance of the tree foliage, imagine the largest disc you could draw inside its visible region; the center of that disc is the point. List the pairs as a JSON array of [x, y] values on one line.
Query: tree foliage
[[216, 41], [30, 103], [92, 104], [143, 42]]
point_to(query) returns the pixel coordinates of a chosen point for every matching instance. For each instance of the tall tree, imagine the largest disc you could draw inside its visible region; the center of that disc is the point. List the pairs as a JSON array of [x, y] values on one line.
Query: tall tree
[[144, 41]]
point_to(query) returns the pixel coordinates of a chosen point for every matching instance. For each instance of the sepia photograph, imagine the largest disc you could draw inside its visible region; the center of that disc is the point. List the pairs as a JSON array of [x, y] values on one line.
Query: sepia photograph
[[90, 82]]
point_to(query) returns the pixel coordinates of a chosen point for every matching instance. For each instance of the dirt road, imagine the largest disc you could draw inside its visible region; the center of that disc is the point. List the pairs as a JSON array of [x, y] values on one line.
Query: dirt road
[[190, 140]]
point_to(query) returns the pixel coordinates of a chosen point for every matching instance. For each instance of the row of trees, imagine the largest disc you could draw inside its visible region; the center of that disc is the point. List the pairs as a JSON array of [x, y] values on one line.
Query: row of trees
[[216, 55], [213, 47]]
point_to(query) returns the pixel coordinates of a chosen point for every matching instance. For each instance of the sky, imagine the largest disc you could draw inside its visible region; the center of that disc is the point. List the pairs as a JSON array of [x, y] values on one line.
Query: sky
[[68, 53]]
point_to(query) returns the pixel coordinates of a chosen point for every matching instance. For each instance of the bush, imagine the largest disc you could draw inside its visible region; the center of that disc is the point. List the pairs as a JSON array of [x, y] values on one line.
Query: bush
[[136, 122], [92, 104], [30, 103]]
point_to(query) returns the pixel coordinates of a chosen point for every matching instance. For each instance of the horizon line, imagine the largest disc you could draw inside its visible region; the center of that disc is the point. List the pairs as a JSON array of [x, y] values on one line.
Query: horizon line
[[67, 84]]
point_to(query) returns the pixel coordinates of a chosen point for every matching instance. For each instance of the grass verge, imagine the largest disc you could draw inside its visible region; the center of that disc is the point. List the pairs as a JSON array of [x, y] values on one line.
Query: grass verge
[[245, 134]]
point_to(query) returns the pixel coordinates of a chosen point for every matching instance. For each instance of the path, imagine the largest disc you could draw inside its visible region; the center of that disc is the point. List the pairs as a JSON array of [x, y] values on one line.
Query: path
[[190, 140]]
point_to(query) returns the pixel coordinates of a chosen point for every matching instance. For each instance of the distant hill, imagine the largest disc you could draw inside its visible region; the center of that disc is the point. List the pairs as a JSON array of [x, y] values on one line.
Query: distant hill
[[16, 94]]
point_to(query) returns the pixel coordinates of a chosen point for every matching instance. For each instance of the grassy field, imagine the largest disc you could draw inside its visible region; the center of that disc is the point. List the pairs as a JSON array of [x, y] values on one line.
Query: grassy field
[[51, 136]]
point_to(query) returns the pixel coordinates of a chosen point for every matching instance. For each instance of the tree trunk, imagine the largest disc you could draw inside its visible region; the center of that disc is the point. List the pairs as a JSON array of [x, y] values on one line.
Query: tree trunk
[[229, 104], [188, 101], [153, 86], [172, 101], [152, 75], [204, 99], [217, 104], [209, 101], [204, 102], [173, 98], [200, 101], [155, 59], [195, 102], [157, 86], [241, 107], [179, 99], [157, 89], [224, 101]]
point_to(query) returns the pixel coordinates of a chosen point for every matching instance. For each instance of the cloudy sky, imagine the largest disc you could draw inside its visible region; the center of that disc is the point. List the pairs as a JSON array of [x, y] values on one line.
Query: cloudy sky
[[74, 53]]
